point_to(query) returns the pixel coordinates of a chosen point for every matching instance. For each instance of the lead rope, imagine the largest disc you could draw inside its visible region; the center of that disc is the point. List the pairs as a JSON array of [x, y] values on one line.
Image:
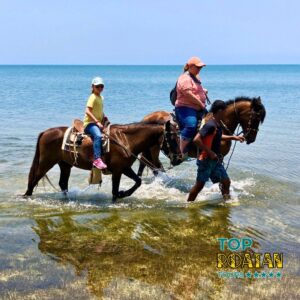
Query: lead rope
[[228, 162]]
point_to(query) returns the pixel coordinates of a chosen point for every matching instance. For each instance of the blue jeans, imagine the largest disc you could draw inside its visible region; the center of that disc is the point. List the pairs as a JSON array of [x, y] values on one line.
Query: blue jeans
[[94, 131], [188, 119]]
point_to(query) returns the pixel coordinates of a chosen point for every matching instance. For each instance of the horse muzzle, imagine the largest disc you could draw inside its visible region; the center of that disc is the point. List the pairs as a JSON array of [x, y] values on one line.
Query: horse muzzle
[[250, 140]]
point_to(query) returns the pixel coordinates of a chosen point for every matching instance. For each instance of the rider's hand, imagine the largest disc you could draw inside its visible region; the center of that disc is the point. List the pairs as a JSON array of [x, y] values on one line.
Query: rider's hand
[[99, 125], [240, 139], [213, 155]]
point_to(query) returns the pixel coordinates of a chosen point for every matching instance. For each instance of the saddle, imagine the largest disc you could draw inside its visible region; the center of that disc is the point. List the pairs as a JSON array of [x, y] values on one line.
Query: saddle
[[75, 135], [175, 122]]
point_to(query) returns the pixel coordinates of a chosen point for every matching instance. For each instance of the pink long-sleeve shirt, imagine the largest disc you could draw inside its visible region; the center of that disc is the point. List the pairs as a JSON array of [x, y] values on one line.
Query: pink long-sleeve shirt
[[185, 84]]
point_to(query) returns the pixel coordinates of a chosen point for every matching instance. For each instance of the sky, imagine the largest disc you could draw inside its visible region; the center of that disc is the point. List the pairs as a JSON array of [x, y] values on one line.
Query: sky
[[138, 32]]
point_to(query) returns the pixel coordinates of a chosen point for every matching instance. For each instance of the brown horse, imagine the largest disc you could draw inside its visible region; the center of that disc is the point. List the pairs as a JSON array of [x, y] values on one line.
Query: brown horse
[[244, 111], [126, 143]]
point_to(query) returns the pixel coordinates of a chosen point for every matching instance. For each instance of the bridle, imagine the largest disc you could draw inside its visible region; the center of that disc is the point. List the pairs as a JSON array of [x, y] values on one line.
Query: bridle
[[248, 129], [171, 134], [249, 125], [253, 115]]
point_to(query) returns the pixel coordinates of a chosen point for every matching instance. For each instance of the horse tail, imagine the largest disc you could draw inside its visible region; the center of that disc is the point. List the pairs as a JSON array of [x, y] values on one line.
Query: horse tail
[[35, 162]]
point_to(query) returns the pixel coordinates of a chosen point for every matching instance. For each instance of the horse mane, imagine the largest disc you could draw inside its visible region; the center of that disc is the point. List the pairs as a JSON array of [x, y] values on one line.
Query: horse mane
[[255, 104], [239, 99]]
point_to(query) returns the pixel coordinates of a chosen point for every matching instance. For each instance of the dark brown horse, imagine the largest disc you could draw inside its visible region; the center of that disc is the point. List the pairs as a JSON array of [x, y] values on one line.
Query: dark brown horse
[[136, 138], [244, 111]]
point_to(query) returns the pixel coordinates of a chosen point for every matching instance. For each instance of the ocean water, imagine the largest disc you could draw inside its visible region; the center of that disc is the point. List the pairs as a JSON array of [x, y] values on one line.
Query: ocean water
[[152, 245]]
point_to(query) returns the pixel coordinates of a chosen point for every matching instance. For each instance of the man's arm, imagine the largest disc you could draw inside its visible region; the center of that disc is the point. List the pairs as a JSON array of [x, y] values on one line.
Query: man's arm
[[233, 138]]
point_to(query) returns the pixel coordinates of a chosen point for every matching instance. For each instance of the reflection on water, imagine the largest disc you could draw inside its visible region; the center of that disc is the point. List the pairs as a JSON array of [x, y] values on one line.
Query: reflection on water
[[165, 249], [152, 245], [159, 251]]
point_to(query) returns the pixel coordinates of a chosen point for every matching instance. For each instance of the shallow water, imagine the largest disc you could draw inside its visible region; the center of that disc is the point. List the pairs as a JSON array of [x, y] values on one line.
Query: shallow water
[[152, 245]]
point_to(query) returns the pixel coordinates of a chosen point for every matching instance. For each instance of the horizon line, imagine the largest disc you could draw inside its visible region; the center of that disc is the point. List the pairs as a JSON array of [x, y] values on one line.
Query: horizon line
[[144, 65]]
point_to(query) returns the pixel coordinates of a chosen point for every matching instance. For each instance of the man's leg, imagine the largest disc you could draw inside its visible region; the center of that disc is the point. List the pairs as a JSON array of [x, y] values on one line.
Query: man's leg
[[225, 188], [196, 189], [203, 173], [220, 175]]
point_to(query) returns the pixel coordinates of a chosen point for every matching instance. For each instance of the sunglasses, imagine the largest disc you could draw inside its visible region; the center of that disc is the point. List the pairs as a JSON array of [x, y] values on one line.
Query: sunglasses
[[99, 86]]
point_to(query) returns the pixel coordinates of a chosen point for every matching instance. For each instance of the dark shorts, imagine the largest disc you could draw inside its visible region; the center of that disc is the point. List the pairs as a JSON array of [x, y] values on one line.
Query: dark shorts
[[211, 169]]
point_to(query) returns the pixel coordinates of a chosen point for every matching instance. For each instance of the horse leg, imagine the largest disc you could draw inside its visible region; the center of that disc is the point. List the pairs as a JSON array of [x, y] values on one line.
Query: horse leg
[[116, 177], [130, 173], [151, 156], [141, 168], [161, 167], [65, 170], [42, 168], [154, 154], [145, 155]]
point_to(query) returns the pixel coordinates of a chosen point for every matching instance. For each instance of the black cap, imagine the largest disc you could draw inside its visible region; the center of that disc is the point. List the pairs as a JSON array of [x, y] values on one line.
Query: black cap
[[218, 105]]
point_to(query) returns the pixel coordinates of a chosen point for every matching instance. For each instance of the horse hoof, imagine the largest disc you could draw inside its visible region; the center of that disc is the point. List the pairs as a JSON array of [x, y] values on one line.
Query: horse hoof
[[26, 196], [65, 192], [122, 194]]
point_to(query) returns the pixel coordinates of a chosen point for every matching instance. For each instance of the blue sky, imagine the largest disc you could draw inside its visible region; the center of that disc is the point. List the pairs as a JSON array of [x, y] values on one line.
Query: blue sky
[[149, 32]]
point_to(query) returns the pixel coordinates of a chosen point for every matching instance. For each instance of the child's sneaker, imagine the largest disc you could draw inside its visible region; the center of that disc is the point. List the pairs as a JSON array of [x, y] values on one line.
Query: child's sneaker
[[99, 164]]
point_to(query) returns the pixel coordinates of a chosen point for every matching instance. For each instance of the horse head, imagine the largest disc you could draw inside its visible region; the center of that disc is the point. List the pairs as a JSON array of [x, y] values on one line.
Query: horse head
[[250, 113], [171, 143], [254, 118]]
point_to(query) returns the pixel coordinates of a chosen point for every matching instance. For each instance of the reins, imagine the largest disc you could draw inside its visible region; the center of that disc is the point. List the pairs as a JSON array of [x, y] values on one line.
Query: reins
[[130, 153]]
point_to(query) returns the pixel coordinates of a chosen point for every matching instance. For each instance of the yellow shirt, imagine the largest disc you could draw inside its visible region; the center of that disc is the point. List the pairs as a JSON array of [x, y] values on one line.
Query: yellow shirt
[[96, 103]]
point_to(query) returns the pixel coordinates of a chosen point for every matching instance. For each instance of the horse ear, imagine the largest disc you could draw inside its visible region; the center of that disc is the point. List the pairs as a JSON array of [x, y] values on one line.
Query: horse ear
[[258, 100], [256, 104]]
